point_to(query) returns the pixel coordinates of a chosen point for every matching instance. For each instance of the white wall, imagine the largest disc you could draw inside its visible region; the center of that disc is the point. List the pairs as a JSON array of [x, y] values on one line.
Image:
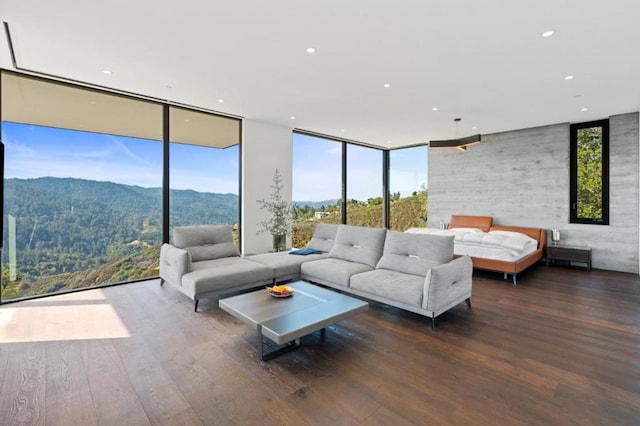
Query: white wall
[[265, 148], [521, 178]]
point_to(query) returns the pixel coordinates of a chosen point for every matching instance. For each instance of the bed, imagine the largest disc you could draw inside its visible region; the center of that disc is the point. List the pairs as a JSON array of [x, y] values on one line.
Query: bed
[[506, 249]]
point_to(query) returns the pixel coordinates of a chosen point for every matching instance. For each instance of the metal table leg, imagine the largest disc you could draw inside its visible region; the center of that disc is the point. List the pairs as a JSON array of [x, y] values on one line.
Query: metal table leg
[[277, 352]]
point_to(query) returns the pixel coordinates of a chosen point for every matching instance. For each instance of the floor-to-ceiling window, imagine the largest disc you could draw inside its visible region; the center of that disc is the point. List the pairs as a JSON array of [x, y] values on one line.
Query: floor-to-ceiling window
[[83, 183], [408, 188], [204, 169], [82, 204], [317, 180], [364, 186]]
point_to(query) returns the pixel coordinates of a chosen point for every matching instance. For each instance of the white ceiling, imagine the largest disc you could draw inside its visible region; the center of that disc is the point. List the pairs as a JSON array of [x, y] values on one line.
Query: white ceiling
[[482, 60]]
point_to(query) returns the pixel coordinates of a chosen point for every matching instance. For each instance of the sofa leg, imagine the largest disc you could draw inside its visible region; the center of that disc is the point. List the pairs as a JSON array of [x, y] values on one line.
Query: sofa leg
[[515, 280], [468, 300], [161, 282], [195, 306], [433, 323]]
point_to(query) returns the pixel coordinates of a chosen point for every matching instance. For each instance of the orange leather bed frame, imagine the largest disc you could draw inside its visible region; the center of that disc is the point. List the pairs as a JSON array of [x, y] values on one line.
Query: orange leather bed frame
[[485, 223]]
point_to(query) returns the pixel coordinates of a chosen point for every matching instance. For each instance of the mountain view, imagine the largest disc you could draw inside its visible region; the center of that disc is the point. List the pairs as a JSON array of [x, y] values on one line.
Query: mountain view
[[65, 228], [67, 233]]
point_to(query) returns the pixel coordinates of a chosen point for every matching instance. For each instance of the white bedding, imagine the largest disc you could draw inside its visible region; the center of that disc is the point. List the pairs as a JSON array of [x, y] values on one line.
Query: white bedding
[[496, 245]]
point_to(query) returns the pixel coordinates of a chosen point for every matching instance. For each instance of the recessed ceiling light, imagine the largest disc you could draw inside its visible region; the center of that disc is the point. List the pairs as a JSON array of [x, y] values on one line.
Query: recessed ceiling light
[[221, 101], [474, 128], [292, 117], [434, 109], [342, 130], [386, 85], [547, 33], [569, 77], [107, 72], [584, 109], [311, 50]]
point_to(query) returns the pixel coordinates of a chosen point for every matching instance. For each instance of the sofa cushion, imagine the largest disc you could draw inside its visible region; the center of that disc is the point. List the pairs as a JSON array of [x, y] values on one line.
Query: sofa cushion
[[225, 273], [335, 272], [359, 244], [205, 242], [284, 265], [323, 237], [415, 253], [391, 285]]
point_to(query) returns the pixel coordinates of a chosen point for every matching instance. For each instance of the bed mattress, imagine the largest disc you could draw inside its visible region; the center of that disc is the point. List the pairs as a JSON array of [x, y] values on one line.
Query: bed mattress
[[494, 245], [493, 253]]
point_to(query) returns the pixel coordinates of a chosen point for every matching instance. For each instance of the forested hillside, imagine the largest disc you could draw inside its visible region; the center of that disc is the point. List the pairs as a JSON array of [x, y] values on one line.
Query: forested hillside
[[407, 212], [134, 266], [65, 225]]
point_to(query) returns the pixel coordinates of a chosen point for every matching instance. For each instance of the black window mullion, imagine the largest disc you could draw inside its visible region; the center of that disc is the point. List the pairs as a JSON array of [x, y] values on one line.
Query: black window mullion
[[386, 213], [343, 207], [165, 173]]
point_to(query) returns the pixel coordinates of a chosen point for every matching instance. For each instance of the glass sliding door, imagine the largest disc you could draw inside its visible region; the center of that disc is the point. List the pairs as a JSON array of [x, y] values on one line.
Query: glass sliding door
[[83, 171], [408, 188], [364, 186], [317, 183], [204, 169]]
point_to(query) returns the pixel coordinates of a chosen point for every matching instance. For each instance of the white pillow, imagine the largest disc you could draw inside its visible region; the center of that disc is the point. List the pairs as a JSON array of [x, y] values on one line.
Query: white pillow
[[466, 230], [421, 230], [514, 234]]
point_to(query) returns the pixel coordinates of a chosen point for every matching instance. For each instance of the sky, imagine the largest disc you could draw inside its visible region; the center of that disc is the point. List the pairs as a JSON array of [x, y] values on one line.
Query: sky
[[37, 151], [317, 170]]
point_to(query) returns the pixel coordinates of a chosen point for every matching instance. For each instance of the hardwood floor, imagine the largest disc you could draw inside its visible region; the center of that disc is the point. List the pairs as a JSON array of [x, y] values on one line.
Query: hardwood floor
[[563, 347]]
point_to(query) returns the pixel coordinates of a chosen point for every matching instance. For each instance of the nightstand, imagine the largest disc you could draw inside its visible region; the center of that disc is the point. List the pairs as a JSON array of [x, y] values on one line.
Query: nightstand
[[569, 253]]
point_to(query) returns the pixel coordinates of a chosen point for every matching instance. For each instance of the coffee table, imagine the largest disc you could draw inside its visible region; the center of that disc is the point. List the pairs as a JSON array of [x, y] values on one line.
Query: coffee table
[[286, 320]]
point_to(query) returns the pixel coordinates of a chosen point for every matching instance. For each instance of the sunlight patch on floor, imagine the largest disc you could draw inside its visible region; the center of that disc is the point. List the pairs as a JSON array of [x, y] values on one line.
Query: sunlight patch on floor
[[65, 321]]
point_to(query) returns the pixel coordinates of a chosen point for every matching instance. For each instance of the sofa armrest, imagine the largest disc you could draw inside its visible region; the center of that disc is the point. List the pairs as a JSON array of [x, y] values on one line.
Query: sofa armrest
[[448, 284], [174, 263]]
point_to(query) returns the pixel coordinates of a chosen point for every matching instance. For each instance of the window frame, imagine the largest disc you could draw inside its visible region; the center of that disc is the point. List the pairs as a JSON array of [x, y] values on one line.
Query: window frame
[[161, 118], [573, 157]]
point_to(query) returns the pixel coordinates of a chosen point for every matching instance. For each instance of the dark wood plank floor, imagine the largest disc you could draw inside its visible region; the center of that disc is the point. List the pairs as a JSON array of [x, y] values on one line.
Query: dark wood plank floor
[[563, 347]]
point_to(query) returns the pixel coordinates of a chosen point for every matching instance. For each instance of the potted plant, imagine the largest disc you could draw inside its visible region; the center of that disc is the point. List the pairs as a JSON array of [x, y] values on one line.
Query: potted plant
[[279, 225]]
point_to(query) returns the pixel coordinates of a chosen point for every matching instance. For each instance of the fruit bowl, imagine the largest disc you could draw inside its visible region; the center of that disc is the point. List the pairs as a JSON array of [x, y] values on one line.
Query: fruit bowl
[[280, 291]]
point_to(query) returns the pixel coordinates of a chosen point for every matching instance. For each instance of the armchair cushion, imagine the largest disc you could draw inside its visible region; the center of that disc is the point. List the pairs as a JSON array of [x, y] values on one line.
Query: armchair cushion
[[206, 242]]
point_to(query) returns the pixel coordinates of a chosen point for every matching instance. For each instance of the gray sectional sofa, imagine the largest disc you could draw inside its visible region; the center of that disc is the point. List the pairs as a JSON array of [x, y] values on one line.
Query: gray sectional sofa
[[415, 272]]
